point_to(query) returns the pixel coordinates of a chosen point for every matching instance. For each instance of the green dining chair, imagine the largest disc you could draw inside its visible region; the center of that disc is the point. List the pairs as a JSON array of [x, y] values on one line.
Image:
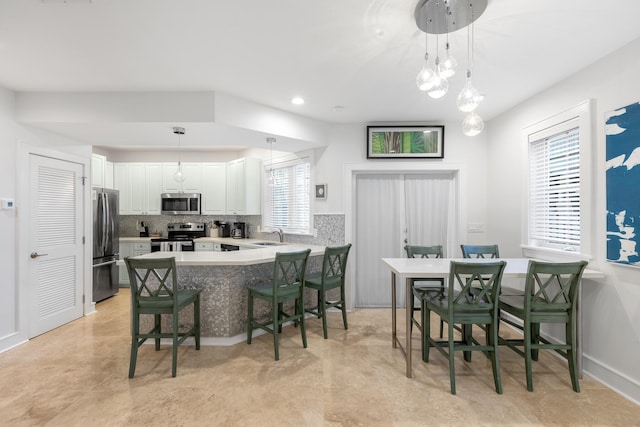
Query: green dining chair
[[334, 267], [287, 285], [471, 298], [421, 286], [550, 296], [488, 251], [154, 290], [480, 251]]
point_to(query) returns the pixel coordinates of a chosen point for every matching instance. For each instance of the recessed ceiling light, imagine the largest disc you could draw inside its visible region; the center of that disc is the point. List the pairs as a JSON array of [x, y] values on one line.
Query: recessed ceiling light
[[297, 100]]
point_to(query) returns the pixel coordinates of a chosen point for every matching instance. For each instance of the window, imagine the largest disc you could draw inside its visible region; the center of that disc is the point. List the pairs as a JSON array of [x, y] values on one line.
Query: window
[[559, 184], [554, 192], [287, 202]]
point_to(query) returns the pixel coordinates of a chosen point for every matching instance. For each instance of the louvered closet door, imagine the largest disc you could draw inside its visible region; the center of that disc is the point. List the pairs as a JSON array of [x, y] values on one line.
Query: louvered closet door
[[55, 229]]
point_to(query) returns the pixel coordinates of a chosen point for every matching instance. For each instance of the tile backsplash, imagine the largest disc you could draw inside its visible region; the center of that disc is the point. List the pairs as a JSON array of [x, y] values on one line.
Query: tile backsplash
[[329, 227]]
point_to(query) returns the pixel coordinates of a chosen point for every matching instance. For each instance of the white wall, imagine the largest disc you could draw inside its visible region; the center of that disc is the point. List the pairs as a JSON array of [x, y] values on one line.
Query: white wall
[[12, 174], [8, 291], [610, 307]]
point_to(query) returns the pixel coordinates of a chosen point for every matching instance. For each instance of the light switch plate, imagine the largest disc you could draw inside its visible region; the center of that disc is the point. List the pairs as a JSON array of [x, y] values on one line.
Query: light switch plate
[[7, 203], [475, 228]]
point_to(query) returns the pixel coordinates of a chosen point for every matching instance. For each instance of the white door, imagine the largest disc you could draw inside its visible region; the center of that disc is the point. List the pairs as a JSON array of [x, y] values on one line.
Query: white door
[[55, 239], [394, 210]]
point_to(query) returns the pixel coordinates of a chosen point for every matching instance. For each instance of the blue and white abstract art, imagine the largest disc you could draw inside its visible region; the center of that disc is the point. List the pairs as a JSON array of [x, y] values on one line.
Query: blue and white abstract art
[[623, 185]]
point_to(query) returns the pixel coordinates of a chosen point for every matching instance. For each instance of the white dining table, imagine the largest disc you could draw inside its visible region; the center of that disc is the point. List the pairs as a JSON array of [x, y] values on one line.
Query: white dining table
[[417, 268]]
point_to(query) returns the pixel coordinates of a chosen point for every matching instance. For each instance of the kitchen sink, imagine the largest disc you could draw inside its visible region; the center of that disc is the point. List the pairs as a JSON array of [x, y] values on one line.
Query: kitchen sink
[[267, 243]]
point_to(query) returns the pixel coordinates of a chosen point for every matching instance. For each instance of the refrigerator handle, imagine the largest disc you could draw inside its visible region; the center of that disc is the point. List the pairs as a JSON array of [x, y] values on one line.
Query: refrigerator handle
[[105, 219]]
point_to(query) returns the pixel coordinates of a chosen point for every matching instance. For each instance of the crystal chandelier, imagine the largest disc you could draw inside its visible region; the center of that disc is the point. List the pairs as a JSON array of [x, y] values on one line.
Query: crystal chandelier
[[444, 17]]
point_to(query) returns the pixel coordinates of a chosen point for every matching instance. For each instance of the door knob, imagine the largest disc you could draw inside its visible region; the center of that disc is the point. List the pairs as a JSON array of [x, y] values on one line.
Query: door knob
[[35, 255]]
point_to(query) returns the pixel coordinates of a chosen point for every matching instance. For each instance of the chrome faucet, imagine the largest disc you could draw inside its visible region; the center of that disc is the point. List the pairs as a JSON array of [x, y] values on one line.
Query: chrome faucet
[[280, 234]]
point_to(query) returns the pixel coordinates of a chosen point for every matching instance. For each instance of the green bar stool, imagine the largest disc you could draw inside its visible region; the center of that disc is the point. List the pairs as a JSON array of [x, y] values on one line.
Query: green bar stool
[[154, 290], [287, 285], [466, 305], [334, 265], [550, 296]]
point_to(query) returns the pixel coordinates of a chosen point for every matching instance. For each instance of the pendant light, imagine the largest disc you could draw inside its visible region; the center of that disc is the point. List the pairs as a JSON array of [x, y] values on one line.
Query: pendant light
[[469, 98], [271, 179], [440, 84], [449, 65], [424, 80], [179, 175], [473, 124]]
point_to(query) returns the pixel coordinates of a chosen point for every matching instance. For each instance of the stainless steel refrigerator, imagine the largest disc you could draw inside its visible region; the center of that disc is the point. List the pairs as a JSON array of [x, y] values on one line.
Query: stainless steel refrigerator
[[106, 234]]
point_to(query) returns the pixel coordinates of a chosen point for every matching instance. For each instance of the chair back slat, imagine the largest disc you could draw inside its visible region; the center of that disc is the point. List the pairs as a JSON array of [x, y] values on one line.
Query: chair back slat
[[289, 270], [334, 263], [480, 251], [152, 278], [423, 251], [552, 286], [475, 286]]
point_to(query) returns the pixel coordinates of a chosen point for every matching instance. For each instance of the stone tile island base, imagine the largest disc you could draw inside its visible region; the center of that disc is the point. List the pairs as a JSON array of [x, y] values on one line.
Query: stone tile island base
[[223, 299]]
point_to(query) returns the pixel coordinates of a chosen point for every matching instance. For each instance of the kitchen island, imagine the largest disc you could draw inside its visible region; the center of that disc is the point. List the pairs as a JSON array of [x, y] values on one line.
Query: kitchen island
[[223, 278]]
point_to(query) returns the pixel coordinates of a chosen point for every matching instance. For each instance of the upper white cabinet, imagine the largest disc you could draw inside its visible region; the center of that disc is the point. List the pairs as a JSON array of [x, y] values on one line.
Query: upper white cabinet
[[192, 173], [244, 186], [232, 188], [101, 171], [97, 170], [214, 188], [140, 186]]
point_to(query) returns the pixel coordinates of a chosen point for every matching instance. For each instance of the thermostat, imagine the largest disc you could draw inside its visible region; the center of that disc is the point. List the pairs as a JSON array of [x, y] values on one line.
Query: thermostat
[[7, 203]]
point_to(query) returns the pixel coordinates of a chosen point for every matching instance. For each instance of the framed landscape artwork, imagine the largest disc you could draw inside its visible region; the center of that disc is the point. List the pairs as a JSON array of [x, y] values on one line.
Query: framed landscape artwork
[[412, 142], [622, 128]]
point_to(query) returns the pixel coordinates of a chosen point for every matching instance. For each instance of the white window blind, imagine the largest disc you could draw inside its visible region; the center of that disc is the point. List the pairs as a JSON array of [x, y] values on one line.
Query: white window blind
[[554, 188], [287, 196]]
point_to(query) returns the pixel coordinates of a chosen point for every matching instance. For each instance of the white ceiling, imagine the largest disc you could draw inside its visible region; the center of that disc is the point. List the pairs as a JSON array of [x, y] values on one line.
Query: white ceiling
[[361, 55]]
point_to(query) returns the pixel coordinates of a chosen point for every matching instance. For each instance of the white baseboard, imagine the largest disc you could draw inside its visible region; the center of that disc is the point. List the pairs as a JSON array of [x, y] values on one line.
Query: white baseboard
[[601, 372], [612, 378]]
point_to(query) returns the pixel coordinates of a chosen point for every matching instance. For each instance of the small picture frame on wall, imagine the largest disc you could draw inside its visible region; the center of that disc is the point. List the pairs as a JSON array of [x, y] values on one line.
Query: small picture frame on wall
[[321, 191], [405, 142]]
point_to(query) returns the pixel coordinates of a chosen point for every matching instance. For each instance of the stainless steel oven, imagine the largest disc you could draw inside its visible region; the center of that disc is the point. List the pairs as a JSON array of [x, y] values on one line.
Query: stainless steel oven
[[180, 203]]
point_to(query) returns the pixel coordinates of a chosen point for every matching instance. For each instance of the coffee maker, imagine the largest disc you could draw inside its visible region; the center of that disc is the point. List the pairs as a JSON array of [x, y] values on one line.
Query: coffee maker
[[224, 229], [239, 230]]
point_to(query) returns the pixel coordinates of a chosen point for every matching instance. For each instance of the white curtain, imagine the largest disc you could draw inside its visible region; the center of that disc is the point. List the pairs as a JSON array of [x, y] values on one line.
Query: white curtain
[[392, 209], [378, 235], [430, 211]]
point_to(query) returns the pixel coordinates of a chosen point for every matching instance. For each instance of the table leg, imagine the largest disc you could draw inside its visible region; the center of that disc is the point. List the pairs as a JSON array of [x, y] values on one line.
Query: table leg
[[409, 316], [393, 310]]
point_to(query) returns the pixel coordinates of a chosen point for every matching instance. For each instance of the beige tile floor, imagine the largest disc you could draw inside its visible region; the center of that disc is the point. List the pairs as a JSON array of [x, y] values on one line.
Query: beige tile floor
[[76, 375]]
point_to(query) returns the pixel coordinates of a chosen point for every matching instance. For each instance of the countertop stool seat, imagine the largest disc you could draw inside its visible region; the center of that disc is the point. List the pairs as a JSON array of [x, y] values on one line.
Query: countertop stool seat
[[550, 296], [287, 285], [154, 290], [471, 298], [334, 265], [421, 287]]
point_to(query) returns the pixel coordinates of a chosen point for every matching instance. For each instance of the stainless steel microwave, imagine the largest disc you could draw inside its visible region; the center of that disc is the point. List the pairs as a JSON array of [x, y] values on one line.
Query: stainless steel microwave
[[180, 203]]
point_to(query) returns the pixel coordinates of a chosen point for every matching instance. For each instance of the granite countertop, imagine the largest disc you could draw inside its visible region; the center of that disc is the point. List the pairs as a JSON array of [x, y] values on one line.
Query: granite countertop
[[259, 255]]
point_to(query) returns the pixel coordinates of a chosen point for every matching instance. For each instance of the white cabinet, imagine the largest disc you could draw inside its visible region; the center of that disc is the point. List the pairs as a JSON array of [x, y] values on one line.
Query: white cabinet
[[97, 170], [243, 186], [126, 250], [121, 183], [101, 171], [108, 175], [130, 249], [203, 246], [192, 173], [214, 188], [140, 186]]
